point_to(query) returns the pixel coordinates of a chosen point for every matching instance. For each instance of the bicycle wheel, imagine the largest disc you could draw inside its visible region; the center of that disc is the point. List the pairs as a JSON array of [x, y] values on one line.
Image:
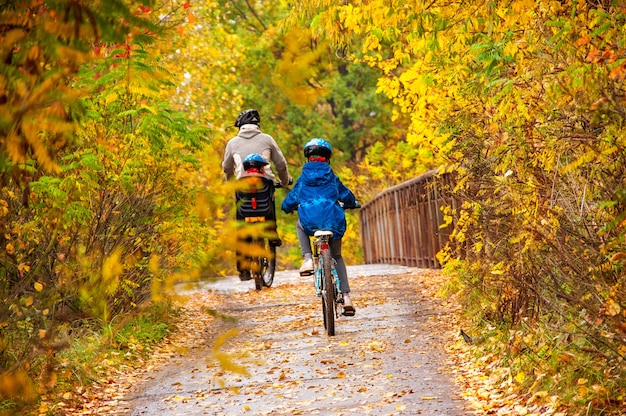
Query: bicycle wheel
[[269, 266], [328, 292], [258, 274], [257, 262]]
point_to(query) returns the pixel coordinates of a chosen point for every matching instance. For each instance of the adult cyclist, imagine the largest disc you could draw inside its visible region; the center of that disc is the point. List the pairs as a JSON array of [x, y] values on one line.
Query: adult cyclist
[[250, 139]]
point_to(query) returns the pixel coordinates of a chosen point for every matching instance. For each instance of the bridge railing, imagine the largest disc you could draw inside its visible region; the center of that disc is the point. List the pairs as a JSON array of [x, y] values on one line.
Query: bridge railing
[[401, 225]]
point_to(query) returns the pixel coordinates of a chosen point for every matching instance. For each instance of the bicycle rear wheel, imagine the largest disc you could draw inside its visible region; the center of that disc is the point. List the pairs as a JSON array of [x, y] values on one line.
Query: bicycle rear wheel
[[328, 292]]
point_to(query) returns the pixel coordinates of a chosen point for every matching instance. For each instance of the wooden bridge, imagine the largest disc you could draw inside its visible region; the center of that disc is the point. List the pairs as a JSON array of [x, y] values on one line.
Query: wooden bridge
[[402, 225]]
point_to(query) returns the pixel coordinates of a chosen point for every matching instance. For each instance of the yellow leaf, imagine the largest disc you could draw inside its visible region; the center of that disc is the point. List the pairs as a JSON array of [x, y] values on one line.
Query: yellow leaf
[[377, 346], [612, 308], [28, 301], [111, 97], [153, 264], [10, 249], [521, 410], [38, 286], [520, 377], [111, 269]]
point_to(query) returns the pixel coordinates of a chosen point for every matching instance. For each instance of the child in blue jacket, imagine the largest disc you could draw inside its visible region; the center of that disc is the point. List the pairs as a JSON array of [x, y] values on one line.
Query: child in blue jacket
[[316, 196]]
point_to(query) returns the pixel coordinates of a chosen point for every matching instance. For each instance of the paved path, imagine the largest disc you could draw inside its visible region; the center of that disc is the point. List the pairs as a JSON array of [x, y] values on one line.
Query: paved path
[[389, 359]]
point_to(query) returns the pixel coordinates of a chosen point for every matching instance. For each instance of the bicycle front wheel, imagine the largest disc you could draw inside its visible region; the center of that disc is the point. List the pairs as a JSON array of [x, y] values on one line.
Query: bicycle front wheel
[[328, 292]]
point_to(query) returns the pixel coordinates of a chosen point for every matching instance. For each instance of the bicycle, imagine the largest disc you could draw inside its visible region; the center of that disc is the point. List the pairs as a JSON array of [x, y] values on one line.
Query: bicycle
[[327, 284], [256, 252]]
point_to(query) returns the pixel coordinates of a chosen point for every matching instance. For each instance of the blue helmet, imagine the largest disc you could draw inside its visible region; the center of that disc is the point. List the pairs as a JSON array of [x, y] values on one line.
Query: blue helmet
[[253, 160], [318, 147]]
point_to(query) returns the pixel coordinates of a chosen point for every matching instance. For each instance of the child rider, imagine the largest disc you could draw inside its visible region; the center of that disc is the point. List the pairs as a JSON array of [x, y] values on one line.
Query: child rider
[[316, 196], [255, 200]]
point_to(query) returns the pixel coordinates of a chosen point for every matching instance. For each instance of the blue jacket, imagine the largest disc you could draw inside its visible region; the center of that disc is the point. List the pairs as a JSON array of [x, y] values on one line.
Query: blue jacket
[[316, 195]]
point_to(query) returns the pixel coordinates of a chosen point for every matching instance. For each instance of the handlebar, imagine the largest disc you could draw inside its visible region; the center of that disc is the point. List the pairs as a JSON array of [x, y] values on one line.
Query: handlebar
[[279, 184], [357, 206]]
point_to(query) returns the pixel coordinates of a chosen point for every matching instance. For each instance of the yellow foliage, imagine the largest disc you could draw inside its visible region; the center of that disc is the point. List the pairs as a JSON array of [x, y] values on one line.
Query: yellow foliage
[[226, 360], [111, 270], [17, 384], [297, 68]]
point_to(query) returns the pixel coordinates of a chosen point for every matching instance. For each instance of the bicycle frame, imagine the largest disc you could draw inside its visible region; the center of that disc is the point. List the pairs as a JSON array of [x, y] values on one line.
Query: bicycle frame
[[327, 284]]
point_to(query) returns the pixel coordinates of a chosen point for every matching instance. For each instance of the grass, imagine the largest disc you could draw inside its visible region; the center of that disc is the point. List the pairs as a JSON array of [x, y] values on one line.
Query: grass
[[89, 355]]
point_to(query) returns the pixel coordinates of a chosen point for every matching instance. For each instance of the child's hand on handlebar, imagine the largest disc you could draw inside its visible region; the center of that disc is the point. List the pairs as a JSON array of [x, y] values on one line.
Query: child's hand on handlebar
[[355, 206]]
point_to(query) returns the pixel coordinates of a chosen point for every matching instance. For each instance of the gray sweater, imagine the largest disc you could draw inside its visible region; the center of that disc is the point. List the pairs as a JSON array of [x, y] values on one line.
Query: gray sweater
[[251, 140]]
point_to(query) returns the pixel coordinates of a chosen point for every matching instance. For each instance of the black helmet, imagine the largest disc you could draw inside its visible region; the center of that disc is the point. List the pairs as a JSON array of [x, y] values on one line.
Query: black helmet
[[248, 117], [318, 147], [254, 160]]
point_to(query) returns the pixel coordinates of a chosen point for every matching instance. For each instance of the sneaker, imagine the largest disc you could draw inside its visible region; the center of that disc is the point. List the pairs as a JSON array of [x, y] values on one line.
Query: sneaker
[[348, 308], [307, 267], [244, 275]]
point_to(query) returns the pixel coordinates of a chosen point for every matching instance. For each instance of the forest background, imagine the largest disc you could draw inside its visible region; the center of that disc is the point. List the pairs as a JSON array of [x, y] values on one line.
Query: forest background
[[114, 116]]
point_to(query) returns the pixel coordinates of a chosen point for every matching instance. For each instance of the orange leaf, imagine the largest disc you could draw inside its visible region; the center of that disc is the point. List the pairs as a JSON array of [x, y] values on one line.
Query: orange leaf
[[619, 72], [583, 41], [594, 56]]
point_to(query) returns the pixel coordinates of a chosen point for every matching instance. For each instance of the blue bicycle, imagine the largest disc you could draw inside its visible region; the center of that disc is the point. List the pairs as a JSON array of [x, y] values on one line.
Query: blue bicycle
[[327, 283]]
